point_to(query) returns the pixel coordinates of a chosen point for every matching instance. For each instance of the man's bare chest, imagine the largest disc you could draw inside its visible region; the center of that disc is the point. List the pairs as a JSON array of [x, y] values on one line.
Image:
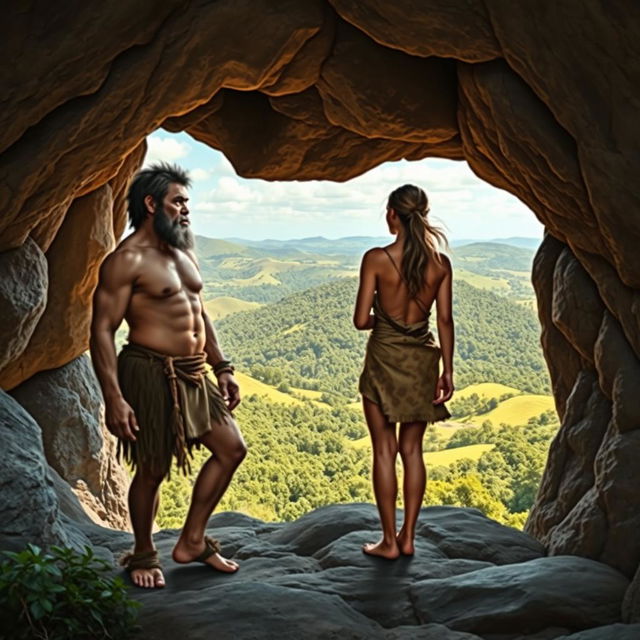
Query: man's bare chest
[[165, 277]]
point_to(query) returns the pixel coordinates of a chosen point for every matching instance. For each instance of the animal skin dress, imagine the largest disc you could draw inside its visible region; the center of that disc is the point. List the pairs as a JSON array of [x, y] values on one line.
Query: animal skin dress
[[401, 369]]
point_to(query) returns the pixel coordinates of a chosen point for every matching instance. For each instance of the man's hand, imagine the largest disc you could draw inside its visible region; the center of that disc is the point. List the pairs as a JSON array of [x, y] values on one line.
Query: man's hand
[[229, 389], [121, 420], [444, 388]]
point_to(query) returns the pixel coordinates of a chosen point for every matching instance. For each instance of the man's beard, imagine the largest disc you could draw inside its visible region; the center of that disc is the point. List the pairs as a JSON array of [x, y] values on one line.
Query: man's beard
[[172, 232]]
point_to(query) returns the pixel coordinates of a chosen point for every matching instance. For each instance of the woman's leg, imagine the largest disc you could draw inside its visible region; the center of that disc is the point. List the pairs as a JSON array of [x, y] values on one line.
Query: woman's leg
[[415, 481], [385, 483]]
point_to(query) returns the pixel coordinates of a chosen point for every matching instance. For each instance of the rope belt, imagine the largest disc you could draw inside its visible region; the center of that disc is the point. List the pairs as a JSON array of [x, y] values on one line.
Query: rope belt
[[191, 369]]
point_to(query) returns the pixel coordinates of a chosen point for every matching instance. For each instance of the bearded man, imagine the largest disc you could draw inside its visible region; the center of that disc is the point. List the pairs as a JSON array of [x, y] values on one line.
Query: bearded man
[[159, 400]]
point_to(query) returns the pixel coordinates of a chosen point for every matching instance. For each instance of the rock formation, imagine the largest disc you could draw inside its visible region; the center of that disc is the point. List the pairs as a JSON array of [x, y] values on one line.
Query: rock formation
[[309, 578], [67, 405], [539, 98]]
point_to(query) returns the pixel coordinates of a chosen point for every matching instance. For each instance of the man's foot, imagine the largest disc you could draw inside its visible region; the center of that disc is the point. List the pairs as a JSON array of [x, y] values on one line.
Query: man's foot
[[207, 552], [382, 549], [405, 543], [144, 569], [148, 578]]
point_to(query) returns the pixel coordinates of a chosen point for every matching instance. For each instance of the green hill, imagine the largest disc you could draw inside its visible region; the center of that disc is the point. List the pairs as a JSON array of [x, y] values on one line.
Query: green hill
[[210, 247], [492, 255], [307, 340], [218, 308]]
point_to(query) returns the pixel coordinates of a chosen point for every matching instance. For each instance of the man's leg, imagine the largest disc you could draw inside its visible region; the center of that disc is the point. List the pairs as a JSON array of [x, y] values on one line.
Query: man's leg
[[143, 506], [385, 483], [415, 480], [227, 452]]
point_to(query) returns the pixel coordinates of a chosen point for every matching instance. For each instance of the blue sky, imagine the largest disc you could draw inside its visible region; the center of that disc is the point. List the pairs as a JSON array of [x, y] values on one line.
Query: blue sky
[[225, 205]]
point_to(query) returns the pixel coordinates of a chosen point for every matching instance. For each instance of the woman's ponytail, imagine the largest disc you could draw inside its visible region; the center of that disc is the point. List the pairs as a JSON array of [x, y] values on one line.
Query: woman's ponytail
[[422, 240]]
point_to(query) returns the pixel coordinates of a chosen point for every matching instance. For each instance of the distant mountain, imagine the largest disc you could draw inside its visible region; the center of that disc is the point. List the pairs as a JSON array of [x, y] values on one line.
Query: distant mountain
[[213, 247], [515, 241], [482, 257], [348, 246], [353, 245]]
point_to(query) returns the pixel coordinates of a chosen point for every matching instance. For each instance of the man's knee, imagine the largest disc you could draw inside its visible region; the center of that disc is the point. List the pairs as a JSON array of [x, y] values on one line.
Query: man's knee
[[234, 454], [149, 476], [239, 452]]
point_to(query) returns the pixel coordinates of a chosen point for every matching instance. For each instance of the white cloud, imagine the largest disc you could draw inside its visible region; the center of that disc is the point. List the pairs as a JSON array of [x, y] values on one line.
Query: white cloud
[[199, 175], [228, 205], [161, 149]]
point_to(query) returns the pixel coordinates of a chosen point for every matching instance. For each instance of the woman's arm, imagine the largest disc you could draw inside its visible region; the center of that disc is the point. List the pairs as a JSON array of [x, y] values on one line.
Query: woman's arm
[[362, 317], [444, 316]]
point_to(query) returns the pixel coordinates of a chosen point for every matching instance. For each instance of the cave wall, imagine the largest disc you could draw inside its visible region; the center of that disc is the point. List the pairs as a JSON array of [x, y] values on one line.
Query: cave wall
[[539, 98]]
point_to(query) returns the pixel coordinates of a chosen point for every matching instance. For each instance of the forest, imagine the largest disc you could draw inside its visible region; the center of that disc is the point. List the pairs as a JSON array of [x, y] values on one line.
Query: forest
[[307, 339]]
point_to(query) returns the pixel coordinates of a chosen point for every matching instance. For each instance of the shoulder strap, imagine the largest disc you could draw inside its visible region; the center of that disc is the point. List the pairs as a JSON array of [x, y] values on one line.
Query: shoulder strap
[[417, 300]]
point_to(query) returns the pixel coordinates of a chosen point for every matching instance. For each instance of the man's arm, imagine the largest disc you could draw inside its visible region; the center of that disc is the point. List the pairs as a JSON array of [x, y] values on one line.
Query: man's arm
[[110, 302], [229, 388]]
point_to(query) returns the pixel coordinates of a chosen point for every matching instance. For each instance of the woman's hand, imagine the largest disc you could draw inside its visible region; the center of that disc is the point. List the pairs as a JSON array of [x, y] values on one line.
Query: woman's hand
[[444, 388]]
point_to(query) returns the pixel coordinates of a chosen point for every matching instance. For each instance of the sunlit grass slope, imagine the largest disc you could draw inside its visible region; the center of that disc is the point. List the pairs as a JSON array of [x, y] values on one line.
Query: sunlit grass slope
[[518, 410], [448, 456], [486, 390], [492, 283], [220, 307], [250, 386]]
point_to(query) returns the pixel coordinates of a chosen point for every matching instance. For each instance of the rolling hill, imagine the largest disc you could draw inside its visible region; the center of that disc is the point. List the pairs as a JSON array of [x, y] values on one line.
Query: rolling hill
[[307, 340], [218, 308]]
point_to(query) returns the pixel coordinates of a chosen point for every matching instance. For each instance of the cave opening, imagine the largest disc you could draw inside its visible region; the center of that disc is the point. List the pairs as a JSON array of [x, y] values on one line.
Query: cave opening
[[261, 244], [332, 92]]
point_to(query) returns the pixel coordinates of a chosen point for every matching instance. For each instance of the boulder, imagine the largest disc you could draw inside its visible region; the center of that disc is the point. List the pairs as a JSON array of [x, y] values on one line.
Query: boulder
[[607, 632], [563, 591], [23, 297], [467, 533], [29, 507], [255, 610], [67, 405], [317, 529]]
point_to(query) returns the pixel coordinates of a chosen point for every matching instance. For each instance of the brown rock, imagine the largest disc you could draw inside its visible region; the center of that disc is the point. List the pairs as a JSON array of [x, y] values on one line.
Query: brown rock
[[67, 405], [577, 307], [23, 297], [459, 30], [581, 60], [74, 259], [394, 106], [562, 359], [542, 102]]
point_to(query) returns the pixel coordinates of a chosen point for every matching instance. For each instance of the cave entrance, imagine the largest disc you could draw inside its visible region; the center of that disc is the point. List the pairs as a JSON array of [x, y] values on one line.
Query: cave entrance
[[335, 89], [265, 246]]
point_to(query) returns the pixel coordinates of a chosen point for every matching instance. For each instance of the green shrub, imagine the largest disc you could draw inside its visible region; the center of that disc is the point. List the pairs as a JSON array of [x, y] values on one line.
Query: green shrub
[[62, 595]]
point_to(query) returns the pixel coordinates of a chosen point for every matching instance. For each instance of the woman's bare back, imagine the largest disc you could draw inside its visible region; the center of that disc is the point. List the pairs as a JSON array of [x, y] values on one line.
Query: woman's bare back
[[392, 291]]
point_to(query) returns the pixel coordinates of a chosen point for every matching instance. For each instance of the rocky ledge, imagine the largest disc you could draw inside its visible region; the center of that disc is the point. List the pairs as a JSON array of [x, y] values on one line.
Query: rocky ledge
[[471, 578]]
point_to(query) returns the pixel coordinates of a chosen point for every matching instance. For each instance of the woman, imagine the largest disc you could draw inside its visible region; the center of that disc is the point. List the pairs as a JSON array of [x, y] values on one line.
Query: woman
[[400, 381]]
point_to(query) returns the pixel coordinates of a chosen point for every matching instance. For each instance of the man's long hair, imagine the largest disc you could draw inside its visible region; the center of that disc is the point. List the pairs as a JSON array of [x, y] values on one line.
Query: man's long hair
[[153, 181]]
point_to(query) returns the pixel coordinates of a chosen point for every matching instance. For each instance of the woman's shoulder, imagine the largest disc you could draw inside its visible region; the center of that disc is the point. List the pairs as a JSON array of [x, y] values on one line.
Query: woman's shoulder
[[374, 254], [445, 261]]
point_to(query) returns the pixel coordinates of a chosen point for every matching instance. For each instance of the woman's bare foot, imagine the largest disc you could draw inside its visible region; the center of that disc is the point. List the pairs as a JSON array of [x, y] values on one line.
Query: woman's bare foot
[[184, 552], [148, 578], [405, 543], [382, 549]]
